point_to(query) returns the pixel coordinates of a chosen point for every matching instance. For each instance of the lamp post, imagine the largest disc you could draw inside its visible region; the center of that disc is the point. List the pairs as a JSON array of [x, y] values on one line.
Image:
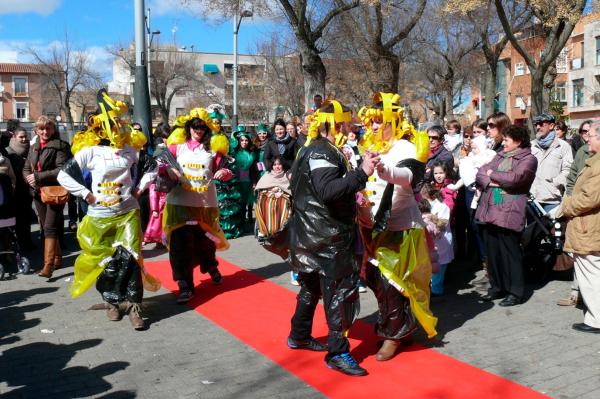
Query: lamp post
[[149, 37], [237, 20], [141, 95]]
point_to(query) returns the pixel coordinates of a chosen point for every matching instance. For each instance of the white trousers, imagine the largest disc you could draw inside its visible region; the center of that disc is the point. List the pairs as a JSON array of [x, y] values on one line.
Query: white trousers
[[587, 269]]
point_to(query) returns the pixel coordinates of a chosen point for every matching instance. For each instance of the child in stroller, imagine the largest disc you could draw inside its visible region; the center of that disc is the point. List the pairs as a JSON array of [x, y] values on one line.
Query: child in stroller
[[542, 242]]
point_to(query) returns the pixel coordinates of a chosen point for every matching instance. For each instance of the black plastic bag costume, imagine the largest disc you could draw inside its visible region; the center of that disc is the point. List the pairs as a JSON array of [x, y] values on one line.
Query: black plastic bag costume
[[121, 279], [322, 239]]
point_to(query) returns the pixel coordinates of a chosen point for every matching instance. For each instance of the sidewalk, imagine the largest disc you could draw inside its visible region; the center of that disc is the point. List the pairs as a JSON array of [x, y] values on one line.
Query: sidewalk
[[53, 346]]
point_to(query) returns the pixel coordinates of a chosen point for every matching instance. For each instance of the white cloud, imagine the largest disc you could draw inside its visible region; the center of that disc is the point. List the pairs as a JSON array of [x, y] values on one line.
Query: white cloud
[[42, 7]]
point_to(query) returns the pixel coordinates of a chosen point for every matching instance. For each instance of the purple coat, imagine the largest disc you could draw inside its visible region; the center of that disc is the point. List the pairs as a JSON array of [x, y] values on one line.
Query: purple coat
[[518, 181]]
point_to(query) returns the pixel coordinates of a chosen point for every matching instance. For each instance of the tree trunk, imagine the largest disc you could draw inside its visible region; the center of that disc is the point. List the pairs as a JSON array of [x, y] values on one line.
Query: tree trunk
[[387, 67], [537, 92], [489, 92], [313, 72], [449, 105]]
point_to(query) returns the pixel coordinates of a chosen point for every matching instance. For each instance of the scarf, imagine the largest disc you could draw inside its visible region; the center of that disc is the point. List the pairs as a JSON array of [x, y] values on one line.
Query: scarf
[[433, 150], [545, 142], [499, 195], [281, 143], [19, 148], [271, 179]]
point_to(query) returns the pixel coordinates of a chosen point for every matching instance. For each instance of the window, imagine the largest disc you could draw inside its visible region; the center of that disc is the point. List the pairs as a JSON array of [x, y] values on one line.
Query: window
[[21, 111], [561, 61], [519, 69], [559, 92], [597, 50], [179, 111], [578, 92], [520, 103], [20, 84]]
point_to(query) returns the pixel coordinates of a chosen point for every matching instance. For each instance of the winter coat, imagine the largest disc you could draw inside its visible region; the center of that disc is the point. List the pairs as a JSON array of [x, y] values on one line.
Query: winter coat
[[583, 208], [51, 159], [554, 165], [576, 167], [510, 214], [323, 223], [441, 154], [272, 151]]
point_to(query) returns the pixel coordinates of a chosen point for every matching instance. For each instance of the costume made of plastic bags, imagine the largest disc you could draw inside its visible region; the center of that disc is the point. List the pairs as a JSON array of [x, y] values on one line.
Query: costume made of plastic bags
[[403, 259], [98, 239], [207, 218]]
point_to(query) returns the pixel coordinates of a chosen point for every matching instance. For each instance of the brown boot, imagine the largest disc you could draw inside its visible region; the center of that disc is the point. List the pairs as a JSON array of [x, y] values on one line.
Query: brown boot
[[57, 256], [49, 254], [387, 350], [113, 312], [134, 311]]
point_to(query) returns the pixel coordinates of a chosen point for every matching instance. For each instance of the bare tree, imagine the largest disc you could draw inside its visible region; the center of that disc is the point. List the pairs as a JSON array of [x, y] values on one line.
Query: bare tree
[[556, 20], [66, 70]]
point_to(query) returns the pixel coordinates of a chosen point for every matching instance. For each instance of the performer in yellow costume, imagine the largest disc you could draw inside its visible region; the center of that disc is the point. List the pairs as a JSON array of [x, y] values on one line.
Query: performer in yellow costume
[[109, 235], [398, 266]]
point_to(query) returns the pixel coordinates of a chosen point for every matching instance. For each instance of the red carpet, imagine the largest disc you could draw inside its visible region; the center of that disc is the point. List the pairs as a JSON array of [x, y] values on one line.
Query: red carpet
[[258, 312]]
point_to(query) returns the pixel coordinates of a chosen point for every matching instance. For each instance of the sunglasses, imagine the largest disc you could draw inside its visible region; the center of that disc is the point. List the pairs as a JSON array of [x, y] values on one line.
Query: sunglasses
[[467, 136], [436, 138], [541, 123], [585, 131], [492, 125], [200, 127]]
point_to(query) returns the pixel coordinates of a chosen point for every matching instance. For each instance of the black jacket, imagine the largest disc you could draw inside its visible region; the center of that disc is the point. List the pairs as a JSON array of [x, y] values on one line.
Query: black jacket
[[272, 151], [323, 221]]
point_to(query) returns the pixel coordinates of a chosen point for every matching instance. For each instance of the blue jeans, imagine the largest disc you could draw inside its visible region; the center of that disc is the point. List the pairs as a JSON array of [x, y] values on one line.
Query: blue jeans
[[437, 280]]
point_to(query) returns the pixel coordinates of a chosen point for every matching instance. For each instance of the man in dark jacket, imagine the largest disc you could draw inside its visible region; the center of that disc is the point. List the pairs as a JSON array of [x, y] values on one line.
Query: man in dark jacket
[[322, 237]]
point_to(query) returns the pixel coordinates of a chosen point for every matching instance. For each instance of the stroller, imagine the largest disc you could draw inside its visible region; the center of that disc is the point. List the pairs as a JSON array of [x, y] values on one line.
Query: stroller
[[12, 260], [542, 242]]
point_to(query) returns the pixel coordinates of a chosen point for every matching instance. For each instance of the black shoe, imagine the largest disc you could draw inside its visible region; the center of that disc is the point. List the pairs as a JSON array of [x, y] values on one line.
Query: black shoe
[[346, 364], [310, 344], [215, 276], [585, 328], [510, 300], [185, 293], [490, 296]]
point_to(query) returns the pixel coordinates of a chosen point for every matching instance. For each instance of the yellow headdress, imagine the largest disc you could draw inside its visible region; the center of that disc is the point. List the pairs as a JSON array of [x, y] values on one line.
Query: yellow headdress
[[390, 112], [178, 135], [107, 125], [337, 115]]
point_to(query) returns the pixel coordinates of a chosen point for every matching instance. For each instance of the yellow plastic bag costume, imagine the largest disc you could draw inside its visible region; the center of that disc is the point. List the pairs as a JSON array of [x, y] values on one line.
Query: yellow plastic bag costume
[[403, 258], [207, 218], [337, 116], [98, 239]]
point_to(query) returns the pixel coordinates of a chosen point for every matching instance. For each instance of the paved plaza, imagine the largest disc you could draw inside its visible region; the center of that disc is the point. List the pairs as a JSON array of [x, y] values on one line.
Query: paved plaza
[[53, 346]]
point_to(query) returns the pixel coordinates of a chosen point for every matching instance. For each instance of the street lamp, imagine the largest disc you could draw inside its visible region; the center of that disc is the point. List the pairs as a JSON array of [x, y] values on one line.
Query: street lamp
[[237, 20], [149, 37]]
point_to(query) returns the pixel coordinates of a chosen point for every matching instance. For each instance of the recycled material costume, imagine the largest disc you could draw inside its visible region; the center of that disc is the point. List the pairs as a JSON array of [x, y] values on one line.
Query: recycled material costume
[[322, 238], [191, 215], [246, 173], [398, 266], [109, 235], [228, 197]]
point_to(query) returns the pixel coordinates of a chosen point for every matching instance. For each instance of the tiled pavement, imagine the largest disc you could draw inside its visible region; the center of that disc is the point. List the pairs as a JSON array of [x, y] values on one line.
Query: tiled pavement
[[183, 355]]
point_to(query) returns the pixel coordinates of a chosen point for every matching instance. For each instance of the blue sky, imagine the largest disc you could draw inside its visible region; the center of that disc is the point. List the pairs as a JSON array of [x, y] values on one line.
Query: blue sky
[[96, 24]]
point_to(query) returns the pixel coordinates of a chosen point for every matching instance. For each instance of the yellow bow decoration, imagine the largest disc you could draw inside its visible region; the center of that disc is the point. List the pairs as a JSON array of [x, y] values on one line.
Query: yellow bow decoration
[[337, 116]]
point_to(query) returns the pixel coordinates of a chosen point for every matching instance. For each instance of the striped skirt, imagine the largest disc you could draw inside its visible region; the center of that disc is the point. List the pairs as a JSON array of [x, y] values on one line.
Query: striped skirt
[[272, 212]]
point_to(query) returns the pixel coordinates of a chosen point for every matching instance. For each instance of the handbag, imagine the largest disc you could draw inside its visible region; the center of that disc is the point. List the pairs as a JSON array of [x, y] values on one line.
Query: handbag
[[54, 195]]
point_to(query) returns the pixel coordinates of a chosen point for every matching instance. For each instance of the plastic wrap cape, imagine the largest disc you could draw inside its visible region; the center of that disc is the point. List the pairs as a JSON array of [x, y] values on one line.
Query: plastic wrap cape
[[207, 218], [403, 258], [98, 238], [121, 279]]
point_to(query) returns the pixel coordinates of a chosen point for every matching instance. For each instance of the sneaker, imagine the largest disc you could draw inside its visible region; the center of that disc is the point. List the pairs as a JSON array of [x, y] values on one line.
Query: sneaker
[[112, 312], [294, 278], [362, 288], [185, 293], [346, 364], [310, 344], [215, 275]]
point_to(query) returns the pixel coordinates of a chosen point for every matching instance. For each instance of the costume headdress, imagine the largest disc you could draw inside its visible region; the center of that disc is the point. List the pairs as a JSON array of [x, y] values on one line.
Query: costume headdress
[[338, 114], [106, 125], [387, 109], [263, 127]]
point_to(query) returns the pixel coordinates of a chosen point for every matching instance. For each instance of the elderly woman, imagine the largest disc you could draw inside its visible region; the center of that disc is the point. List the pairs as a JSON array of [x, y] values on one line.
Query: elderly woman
[[505, 182], [44, 161], [582, 207]]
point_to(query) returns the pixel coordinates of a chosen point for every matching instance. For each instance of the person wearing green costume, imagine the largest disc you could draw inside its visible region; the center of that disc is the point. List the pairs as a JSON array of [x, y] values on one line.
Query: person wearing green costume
[[246, 172], [228, 196], [262, 137]]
